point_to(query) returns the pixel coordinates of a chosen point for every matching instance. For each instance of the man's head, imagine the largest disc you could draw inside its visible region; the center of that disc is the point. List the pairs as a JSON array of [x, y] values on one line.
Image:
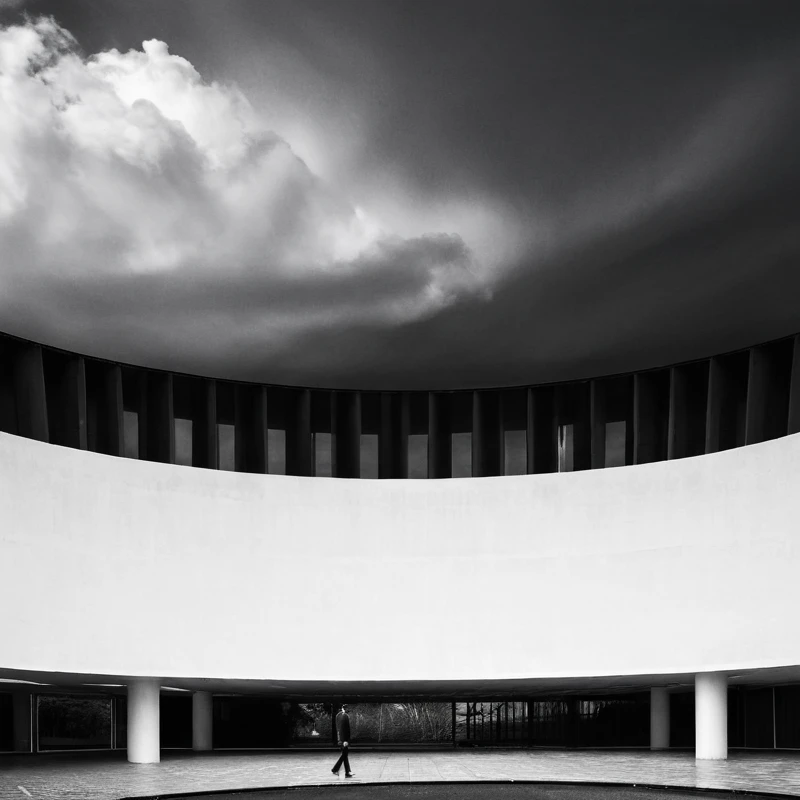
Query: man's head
[[344, 707]]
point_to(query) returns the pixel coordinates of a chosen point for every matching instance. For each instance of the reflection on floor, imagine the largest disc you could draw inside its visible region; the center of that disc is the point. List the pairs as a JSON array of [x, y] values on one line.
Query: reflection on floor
[[95, 776]]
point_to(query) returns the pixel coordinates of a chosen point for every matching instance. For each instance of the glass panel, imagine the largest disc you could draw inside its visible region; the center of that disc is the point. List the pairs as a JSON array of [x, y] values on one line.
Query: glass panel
[[615, 443], [566, 446], [787, 716], [183, 441], [462, 455], [130, 425], [516, 453], [226, 437], [70, 722], [591, 721], [681, 719], [175, 721], [323, 460], [6, 722], [120, 707], [276, 451], [371, 723], [369, 455], [245, 722], [759, 724], [497, 721], [418, 455]]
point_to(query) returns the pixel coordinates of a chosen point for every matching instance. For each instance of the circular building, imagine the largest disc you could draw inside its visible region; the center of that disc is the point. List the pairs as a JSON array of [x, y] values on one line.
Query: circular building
[[610, 561]]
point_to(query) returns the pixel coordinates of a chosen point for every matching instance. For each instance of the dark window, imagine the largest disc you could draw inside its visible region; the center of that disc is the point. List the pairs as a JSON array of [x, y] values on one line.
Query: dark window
[[276, 451], [461, 464], [369, 455], [418, 455], [323, 460], [516, 453], [183, 442], [615, 443], [226, 437], [130, 421], [72, 722], [566, 448]]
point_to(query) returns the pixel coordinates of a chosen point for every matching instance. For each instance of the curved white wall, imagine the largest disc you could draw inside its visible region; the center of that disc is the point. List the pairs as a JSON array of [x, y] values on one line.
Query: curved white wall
[[113, 566]]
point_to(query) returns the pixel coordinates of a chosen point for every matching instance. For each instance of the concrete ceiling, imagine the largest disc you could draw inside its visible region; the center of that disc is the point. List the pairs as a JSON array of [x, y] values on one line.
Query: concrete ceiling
[[374, 691]]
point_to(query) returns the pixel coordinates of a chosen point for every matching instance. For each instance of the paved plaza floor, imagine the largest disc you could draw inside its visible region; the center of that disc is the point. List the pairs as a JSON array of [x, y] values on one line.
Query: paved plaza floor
[[98, 776]]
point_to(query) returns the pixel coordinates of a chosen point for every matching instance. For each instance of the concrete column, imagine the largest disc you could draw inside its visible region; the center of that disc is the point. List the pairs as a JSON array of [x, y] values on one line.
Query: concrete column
[[72, 401], [711, 716], [346, 425], [542, 431], [202, 721], [251, 432], [393, 436], [440, 447], [650, 416], [659, 718], [597, 423], [794, 389], [110, 415], [31, 397], [757, 390], [581, 426], [678, 425], [716, 390], [21, 710], [160, 429], [487, 434], [299, 451], [144, 746], [205, 447], [142, 411]]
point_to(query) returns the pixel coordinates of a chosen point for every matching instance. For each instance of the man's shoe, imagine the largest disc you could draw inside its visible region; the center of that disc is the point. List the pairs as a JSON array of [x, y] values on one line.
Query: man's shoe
[[349, 774], [335, 773]]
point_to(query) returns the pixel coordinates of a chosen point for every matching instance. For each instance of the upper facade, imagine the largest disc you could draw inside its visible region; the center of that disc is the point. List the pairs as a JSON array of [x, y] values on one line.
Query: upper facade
[[687, 409]]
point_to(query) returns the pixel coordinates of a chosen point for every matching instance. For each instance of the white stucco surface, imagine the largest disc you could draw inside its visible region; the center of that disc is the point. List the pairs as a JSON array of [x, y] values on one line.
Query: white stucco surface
[[114, 566]]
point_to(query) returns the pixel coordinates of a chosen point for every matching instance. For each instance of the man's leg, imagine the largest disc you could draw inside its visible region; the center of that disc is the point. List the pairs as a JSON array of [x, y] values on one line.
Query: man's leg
[[346, 760], [339, 764]]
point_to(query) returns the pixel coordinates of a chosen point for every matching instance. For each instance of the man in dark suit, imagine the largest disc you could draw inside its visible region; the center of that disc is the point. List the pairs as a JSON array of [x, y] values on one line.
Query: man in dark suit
[[343, 735]]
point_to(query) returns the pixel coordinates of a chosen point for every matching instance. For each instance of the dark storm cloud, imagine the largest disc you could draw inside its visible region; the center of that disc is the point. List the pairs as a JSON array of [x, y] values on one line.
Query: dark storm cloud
[[159, 319], [606, 186]]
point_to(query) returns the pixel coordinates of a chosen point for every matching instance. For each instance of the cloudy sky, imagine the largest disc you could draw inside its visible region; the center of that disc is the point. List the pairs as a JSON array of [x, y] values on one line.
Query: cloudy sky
[[387, 194]]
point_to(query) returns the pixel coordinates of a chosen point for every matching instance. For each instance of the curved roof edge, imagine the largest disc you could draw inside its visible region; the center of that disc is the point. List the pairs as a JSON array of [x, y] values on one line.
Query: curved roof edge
[[497, 387]]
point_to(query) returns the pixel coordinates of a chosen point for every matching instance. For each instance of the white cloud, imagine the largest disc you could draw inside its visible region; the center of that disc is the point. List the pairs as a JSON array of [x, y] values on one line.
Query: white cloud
[[121, 167]]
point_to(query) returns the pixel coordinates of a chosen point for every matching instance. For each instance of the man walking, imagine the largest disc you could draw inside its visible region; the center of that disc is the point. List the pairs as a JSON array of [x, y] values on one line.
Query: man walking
[[343, 735]]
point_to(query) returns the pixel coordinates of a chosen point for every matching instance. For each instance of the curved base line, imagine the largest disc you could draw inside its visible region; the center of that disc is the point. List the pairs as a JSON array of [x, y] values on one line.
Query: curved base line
[[487, 781]]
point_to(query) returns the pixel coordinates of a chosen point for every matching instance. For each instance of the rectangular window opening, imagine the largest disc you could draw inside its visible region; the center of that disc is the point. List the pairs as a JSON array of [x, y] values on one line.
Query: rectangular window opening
[[183, 442], [516, 453], [566, 448], [226, 439], [369, 455], [418, 455], [461, 464], [276, 451], [615, 443], [323, 454], [130, 423], [71, 722]]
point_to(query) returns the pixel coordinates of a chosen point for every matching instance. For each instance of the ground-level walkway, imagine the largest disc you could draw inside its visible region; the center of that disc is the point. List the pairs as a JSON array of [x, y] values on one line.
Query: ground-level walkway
[[109, 776]]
